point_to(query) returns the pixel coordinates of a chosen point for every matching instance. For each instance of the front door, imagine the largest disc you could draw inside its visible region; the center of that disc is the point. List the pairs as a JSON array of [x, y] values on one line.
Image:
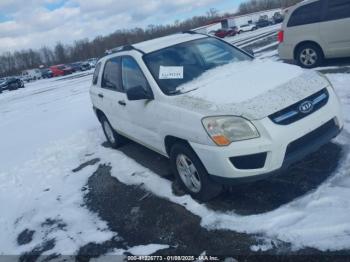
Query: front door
[[141, 114]]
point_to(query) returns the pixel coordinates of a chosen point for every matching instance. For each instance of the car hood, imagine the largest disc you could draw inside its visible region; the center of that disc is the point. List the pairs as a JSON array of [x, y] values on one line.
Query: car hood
[[253, 89]]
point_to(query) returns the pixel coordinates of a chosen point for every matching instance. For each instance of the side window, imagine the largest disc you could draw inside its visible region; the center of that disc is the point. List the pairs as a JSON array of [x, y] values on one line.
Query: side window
[[132, 75], [96, 73], [306, 14], [111, 75], [337, 9]]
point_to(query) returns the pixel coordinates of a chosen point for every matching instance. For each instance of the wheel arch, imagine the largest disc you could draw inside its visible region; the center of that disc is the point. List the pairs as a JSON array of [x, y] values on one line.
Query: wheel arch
[[304, 43], [99, 114], [170, 140]]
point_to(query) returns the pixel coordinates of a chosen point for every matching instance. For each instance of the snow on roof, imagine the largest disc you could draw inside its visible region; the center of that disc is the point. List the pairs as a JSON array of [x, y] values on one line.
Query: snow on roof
[[165, 41]]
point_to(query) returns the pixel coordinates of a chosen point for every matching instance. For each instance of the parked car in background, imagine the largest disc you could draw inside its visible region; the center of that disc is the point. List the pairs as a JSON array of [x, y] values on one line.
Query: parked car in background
[[314, 30], [25, 78], [76, 66], [66, 69], [10, 83], [175, 96], [85, 66], [56, 71], [92, 62], [224, 32], [61, 70], [2, 82], [46, 73], [263, 23], [246, 28], [32, 74], [277, 18]]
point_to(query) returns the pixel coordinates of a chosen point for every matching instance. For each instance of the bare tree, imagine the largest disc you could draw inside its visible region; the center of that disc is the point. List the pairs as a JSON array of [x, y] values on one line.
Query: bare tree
[[14, 63]]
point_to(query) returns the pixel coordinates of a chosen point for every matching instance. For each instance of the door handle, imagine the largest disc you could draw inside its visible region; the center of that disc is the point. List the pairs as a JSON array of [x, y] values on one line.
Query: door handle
[[122, 103], [100, 95]]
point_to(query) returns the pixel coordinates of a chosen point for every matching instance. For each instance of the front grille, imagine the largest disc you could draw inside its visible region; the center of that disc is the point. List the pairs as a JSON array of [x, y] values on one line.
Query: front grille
[[293, 113], [254, 161], [311, 141]]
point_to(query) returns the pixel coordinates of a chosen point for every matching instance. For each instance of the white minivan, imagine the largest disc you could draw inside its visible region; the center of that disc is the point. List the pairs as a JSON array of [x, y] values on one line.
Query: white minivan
[[314, 30], [31, 74], [219, 115]]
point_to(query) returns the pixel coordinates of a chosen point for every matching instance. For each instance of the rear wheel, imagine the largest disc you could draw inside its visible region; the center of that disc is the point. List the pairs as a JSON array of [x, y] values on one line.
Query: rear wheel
[[309, 56], [113, 138], [191, 173]]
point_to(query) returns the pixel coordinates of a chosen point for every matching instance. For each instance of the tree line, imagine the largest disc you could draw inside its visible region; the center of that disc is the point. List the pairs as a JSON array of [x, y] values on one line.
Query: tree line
[[252, 6], [12, 63]]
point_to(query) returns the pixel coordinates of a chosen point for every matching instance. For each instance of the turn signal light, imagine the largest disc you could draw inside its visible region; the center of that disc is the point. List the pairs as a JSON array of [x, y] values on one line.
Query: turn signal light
[[221, 140]]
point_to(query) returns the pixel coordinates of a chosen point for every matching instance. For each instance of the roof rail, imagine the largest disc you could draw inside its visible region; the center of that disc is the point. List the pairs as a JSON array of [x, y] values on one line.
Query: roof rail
[[189, 32], [194, 33], [122, 48]]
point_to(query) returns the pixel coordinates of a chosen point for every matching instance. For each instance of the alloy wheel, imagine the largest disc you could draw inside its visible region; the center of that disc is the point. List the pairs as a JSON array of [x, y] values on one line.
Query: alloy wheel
[[188, 173], [308, 57]]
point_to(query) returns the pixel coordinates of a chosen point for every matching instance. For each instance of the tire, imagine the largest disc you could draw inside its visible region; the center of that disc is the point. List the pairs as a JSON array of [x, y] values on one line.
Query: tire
[[113, 138], [199, 186], [309, 56]]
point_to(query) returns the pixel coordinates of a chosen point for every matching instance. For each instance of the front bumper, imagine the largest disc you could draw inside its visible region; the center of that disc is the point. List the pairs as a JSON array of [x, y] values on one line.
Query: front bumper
[[282, 145], [285, 51]]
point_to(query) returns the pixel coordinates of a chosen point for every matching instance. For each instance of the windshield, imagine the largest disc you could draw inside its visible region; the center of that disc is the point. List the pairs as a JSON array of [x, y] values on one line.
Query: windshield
[[176, 65]]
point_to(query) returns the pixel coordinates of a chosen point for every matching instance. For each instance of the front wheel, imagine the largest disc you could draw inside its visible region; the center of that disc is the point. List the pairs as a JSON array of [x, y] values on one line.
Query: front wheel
[[309, 56], [191, 173]]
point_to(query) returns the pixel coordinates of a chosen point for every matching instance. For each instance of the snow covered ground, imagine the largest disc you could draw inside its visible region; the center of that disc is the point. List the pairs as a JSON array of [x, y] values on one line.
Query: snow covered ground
[[48, 129]]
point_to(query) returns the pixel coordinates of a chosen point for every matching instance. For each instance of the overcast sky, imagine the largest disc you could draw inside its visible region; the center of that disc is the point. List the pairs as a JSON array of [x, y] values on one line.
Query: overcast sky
[[35, 23]]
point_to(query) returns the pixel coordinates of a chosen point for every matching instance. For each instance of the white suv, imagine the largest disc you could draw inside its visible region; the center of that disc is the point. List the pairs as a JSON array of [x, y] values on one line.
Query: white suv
[[219, 115], [247, 28]]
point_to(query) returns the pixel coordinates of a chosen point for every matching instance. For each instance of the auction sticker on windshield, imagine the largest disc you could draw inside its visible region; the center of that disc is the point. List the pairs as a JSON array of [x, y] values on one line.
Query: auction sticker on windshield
[[171, 72]]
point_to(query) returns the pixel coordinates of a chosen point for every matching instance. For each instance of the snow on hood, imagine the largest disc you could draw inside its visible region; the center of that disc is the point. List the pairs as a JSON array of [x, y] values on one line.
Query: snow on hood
[[253, 89]]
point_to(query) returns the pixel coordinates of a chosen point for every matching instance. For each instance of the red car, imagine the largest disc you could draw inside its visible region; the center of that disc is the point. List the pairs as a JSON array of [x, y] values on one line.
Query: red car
[[222, 33], [61, 70]]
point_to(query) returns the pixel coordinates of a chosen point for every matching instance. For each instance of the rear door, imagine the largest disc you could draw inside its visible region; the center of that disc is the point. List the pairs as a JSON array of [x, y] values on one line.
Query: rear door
[[111, 96], [335, 28]]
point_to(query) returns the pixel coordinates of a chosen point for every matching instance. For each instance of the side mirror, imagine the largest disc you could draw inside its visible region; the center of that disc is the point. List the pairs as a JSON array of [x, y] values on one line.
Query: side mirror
[[138, 93]]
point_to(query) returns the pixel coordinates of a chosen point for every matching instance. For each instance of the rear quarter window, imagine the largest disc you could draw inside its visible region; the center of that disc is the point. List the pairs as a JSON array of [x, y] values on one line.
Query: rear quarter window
[[306, 14], [96, 73]]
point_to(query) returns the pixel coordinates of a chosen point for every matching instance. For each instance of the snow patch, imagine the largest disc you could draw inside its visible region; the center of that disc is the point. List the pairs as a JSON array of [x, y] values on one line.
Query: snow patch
[[145, 250], [237, 82]]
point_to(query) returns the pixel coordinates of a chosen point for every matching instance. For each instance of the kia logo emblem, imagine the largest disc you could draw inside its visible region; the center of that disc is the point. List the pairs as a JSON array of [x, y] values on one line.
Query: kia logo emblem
[[306, 107]]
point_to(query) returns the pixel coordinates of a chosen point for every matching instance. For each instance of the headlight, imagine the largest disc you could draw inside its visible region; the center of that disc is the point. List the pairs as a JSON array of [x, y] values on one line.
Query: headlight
[[227, 129]]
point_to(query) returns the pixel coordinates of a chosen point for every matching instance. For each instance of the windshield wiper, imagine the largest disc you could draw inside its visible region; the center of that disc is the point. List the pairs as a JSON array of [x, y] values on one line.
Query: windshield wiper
[[178, 92]]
